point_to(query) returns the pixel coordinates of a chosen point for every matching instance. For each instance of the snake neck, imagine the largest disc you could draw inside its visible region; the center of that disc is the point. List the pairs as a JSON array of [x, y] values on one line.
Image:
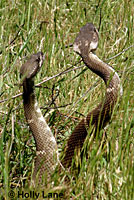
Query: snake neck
[[102, 113], [99, 116], [106, 72], [28, 92]]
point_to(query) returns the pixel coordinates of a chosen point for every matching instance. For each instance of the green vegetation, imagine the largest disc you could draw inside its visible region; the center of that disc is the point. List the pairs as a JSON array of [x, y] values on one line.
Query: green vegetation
[[27, 27]]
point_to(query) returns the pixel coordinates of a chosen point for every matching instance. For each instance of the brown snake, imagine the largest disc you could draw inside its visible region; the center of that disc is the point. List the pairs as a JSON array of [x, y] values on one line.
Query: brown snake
[[47, 155]]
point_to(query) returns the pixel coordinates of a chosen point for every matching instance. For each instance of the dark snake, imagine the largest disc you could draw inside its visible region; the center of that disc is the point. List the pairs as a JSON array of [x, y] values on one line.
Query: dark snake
[[47, 157]]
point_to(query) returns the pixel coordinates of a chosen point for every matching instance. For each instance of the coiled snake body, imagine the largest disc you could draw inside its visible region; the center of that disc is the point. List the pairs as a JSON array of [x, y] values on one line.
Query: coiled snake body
[[47, 156]]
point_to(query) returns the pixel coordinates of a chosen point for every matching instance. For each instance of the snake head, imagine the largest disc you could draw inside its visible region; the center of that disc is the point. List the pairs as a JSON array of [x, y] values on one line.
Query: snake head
[[86, 40], [31, 67]]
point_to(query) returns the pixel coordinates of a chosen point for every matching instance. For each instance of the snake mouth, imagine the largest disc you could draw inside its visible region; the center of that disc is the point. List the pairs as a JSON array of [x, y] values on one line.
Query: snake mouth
[[93, 46]]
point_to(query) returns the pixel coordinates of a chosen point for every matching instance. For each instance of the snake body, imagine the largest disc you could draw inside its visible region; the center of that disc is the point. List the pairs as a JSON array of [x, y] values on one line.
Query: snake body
[[47, 156], [85, 43], [46, 146]]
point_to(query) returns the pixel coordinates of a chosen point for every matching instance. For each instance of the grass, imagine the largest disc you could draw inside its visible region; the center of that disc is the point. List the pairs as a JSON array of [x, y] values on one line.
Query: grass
[[50, 26]]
